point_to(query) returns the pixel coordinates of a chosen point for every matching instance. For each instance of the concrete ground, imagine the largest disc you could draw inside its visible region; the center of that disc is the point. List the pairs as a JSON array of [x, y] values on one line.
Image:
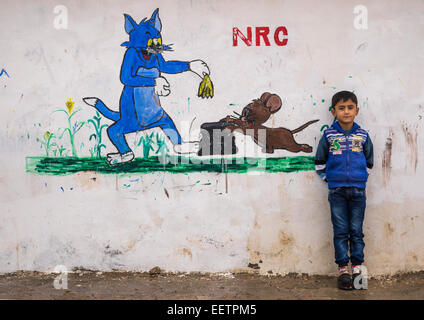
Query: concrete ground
[[194, 286]]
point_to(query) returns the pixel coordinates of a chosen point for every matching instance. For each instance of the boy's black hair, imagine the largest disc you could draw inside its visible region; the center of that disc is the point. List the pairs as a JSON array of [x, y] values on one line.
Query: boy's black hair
[[343, 95]]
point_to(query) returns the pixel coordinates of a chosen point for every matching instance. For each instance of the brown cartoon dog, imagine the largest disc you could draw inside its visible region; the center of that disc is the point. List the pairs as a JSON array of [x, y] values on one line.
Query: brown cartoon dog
[[258, 112]]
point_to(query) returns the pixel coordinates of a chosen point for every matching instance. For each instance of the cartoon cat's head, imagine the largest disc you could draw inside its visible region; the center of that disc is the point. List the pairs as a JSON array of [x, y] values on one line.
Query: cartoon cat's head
[[145, 35]]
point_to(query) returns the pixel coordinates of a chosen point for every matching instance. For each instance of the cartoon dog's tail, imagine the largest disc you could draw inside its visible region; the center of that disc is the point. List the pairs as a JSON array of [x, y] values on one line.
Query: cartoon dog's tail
[[304, 126], [102, 108]]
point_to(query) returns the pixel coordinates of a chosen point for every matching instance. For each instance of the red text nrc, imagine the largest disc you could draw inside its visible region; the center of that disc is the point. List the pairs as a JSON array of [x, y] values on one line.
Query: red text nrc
[[280, 36]]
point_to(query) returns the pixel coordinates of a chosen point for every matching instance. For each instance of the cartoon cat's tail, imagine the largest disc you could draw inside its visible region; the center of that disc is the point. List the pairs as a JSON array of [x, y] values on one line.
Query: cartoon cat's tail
[[102, 108]]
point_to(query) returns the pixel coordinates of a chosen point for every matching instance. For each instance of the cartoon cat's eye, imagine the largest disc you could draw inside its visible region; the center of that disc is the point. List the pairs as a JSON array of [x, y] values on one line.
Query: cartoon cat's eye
[[149, 43], [160, 41]]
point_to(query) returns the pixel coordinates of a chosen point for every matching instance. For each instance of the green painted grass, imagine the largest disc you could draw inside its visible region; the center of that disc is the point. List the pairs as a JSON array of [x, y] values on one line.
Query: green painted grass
[[70, 165]]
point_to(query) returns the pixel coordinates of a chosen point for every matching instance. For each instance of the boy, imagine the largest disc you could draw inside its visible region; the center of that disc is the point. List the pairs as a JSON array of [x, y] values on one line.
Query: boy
[[344, 153]]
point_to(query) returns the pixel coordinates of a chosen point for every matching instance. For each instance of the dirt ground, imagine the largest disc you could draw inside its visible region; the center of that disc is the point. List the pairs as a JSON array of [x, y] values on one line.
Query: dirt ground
[[194, 286]]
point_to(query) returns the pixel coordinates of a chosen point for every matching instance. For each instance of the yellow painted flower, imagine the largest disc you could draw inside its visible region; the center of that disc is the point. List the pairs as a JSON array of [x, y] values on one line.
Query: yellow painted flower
[[70, 105], [47, 135]]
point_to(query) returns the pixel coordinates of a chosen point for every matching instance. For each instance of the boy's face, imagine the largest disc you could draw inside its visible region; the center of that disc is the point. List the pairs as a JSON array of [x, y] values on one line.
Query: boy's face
[[345, 111]]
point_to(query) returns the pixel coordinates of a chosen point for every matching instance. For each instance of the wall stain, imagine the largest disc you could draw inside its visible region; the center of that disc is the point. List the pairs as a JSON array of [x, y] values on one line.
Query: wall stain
[[269, 241], [132, 243], [361, 47], [217, 244], [285, 240], [157, 219], [186, 252], [411, 139], [17, 256], [108, 251], [87, 181], [387, 156], [388, 229]]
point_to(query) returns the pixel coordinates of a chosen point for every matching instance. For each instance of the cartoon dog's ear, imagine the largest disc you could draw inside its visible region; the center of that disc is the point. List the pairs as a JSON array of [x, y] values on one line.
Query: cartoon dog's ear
[[273, 103], [130, 24], [155, 21]]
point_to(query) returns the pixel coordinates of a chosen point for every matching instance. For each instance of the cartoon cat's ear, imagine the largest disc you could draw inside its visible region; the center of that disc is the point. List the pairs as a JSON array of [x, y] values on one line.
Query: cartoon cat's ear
[[155, 21], [130, 24]]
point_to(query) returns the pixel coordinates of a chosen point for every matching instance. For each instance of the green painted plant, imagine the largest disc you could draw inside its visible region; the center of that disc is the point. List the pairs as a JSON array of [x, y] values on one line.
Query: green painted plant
[[147, 141], [95, 121], [46, 142], [162, 150], [72, 129], [92, 152], [60, 149]]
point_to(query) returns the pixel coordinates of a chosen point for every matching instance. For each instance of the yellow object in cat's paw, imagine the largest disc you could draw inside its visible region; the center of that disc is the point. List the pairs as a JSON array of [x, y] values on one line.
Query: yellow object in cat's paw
[[205, 88]]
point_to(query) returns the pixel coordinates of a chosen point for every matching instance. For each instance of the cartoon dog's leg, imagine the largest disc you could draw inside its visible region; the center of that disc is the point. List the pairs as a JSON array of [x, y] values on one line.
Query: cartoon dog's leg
[[168, 127], [116, 133]]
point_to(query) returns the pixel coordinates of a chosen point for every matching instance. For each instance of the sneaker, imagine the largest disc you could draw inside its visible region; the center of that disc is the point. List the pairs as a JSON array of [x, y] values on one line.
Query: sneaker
[[344, 281], [356, 271]]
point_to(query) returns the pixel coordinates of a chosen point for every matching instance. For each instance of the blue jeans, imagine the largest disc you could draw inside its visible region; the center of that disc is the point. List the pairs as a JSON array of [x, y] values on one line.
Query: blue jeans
[[347, 206]]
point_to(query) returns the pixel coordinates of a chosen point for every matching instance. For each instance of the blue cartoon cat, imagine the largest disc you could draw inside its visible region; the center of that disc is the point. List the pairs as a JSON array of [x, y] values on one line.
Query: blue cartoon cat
[[141, 75]]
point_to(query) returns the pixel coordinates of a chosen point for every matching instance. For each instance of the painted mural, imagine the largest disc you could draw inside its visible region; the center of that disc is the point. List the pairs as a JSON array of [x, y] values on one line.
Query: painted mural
[[141, 75], [251, 121], [140, 109]]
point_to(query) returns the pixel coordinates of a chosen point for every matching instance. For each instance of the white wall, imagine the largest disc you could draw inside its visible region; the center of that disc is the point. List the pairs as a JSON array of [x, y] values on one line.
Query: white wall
[[281, 219]]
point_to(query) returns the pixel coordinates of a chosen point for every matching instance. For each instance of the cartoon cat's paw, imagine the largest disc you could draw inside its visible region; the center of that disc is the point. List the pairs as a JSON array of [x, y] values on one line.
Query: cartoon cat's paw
[[187, 147], [162, 87], [90, 101], [117, 158], [200, 68]]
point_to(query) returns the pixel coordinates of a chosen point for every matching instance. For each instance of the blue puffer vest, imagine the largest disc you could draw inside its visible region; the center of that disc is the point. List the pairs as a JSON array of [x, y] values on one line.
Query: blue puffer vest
[[346, 165]]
